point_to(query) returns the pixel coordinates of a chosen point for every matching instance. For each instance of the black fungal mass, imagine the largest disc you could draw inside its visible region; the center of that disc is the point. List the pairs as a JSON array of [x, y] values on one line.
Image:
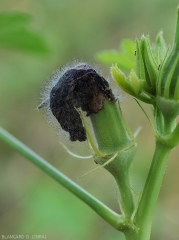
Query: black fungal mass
[[79, 87]]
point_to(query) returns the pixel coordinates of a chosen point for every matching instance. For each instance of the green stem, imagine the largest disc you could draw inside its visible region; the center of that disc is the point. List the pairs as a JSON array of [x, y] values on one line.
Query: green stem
[[145, 212], [102, 210], [127, 199]]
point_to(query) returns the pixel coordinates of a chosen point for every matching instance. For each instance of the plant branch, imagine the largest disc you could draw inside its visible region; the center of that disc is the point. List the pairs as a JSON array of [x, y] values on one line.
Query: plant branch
[[102, 210]]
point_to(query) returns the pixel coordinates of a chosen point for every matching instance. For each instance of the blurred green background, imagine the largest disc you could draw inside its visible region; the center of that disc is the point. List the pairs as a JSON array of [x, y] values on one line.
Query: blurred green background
[[31, 202]]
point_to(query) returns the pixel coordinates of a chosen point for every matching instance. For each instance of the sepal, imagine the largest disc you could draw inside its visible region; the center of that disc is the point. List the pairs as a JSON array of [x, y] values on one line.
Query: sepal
[[131, 84]]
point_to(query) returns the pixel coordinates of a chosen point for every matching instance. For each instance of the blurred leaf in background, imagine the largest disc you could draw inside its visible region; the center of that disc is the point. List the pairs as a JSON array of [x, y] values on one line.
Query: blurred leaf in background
[[16, 34], [124, 57]]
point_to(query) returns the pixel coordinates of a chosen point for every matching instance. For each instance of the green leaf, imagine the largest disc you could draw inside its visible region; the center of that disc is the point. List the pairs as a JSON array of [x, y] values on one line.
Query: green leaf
[[16, 34], [125, 57]]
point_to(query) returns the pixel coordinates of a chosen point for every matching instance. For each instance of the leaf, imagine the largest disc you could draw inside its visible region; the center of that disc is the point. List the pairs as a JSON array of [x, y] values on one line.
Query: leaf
[[16, 34], [124, 58]]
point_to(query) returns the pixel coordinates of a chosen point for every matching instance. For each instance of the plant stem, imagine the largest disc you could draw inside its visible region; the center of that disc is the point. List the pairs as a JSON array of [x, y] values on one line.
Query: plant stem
[[120, 168], [127, 199], [145, 212], [102, 210]]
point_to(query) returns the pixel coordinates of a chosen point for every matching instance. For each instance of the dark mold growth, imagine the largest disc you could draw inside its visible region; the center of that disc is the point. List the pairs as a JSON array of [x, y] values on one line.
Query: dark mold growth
[[79, 87]]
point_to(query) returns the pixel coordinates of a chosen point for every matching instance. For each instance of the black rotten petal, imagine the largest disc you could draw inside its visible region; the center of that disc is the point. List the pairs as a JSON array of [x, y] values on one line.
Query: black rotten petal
[[79, 87]]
